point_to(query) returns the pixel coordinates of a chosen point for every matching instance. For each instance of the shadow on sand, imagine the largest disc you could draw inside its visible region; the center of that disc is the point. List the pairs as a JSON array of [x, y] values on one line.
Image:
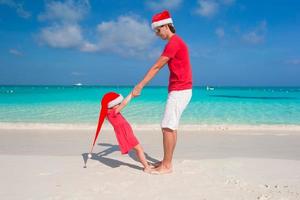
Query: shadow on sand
[[101, 157]]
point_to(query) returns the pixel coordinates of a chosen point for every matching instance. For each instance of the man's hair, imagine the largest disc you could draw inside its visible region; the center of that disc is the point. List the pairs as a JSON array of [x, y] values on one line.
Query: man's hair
[[172, 28]]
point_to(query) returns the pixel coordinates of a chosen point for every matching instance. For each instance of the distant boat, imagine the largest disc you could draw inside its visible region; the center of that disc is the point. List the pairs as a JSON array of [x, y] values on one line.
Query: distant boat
[[209, 88], [78, 84]]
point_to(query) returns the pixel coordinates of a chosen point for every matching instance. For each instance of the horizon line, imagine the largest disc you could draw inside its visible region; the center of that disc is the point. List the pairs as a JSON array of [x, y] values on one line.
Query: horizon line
[[94, 85]]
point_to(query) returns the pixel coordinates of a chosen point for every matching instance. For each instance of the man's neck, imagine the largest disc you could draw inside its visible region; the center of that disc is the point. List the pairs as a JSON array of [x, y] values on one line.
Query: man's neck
[[170, 36]]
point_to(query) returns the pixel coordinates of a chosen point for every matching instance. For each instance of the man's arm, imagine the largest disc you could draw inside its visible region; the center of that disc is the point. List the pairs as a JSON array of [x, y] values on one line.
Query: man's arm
[[162, 60]]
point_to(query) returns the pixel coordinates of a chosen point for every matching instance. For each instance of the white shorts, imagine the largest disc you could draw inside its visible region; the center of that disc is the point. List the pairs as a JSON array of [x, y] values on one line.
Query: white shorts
[[176, 103]]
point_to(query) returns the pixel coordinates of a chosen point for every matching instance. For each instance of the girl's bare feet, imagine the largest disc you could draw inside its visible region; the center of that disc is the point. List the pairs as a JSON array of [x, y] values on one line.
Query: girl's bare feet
[[148, 170]]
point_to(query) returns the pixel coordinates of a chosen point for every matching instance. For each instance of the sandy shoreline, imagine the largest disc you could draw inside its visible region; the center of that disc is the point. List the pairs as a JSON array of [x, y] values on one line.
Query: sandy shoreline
[[220, 164], [150, 127]]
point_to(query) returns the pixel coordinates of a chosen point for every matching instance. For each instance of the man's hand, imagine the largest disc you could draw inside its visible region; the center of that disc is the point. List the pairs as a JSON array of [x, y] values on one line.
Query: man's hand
[[137, 90]]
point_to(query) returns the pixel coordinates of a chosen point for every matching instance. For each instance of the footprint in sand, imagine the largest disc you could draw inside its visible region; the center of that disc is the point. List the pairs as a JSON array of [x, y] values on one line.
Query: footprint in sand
[[263, 197], [188, 172], [45, 174]]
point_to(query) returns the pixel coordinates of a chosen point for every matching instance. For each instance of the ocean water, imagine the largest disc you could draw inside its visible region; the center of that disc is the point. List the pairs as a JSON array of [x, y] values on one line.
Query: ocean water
[[209, 106]]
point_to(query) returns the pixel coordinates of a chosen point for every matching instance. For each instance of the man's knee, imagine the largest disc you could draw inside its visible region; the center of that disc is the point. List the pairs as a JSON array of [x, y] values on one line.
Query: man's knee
[[168, 130]]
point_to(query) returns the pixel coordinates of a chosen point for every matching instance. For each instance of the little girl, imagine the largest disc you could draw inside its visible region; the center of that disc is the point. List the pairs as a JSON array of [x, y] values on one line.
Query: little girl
[[112, 104]]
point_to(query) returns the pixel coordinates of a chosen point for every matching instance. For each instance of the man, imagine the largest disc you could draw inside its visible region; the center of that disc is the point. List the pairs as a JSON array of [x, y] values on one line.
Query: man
[[180, 84]]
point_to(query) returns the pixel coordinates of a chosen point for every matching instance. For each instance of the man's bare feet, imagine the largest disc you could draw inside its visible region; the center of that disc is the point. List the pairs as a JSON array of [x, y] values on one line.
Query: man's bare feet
[[155, 165], [161, 170]]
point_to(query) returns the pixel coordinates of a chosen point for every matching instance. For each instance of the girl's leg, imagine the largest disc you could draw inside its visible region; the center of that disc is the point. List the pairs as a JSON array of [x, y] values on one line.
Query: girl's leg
[[141, 156]]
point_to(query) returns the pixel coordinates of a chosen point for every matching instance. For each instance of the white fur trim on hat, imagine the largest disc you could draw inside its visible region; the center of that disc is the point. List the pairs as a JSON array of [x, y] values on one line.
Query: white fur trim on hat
[[161, 22], [116, 101]]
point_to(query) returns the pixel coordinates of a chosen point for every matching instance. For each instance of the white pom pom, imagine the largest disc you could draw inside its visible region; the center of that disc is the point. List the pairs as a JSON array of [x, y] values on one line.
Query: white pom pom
[[90, 155]]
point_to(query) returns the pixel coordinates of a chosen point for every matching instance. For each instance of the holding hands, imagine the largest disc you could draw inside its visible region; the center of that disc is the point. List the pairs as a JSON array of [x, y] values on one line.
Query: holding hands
[[137, 90]]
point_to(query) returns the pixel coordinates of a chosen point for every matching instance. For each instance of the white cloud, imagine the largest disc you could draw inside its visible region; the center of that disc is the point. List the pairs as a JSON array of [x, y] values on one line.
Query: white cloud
[[253, 37], [207, 8], [210, 8], [68, 12], [127, 36], [62, 36], [257, 35], [18, 6], [163, 4], [64, 30], [88, 47], [220, 32], [15, 52], [294, 61]]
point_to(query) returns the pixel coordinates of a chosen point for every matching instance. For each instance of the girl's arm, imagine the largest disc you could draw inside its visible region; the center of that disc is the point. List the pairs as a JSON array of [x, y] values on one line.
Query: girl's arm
[[124, 103]]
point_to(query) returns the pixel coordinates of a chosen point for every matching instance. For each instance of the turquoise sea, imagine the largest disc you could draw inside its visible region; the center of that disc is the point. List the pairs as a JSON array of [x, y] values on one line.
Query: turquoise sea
[[209, 106]]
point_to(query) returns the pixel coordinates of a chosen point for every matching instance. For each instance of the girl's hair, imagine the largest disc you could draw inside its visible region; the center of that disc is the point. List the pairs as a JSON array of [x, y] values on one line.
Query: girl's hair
[[172, 28]]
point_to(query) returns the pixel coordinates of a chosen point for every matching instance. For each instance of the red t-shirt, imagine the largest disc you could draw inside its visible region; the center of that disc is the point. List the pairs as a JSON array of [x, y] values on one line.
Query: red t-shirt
[[179, 64]]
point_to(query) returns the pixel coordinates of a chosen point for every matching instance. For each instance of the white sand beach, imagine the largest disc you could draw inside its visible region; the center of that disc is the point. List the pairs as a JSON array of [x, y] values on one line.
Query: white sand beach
[[48, 164]]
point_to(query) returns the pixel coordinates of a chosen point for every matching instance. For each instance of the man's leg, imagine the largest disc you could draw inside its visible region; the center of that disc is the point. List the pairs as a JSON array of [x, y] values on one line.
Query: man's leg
[[176, 103], [169, 143]]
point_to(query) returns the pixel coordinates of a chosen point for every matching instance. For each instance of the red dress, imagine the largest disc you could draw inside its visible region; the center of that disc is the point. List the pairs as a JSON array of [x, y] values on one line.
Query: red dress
[[123, 131]]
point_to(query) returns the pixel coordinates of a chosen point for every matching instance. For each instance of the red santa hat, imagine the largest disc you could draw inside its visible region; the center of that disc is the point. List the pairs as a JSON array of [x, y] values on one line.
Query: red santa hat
[[160, 19], [109, 100]]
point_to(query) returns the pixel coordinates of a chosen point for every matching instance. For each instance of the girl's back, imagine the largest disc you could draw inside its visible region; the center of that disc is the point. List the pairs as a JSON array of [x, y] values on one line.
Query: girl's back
[[123, 131]]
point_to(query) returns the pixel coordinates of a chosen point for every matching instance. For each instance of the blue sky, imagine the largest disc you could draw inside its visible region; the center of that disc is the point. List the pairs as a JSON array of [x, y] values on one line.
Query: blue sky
[[231, 42]]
